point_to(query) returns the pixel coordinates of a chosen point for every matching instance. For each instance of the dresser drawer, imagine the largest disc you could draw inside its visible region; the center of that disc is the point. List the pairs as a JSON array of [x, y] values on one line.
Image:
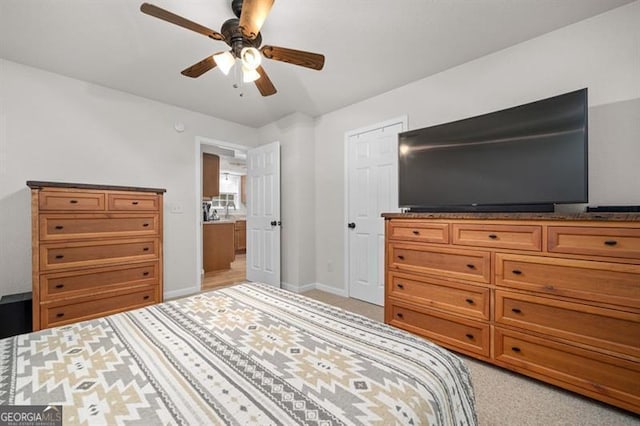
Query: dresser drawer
[[61, 313], [604, 377], [55, 256], [65, 227], [133, 202], [520, 237], [463, 299], [413, 230], [71, 200], [596, 241], [577, 322], [604, 282], [90, 281], [470, 265], [459, 333]]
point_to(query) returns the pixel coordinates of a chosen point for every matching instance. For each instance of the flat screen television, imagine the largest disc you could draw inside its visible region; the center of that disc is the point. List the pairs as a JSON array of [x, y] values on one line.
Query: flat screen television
[[526, 158]]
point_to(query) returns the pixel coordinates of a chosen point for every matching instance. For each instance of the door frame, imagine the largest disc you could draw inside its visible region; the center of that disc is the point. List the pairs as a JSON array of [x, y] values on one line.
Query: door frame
[[404, 121], [199, 141]]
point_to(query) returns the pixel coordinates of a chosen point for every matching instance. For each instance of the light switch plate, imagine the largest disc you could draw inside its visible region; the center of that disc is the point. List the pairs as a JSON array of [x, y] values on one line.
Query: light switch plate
[[176, 208]]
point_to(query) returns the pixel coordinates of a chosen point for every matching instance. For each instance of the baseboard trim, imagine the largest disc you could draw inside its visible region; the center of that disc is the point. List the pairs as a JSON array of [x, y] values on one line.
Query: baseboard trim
[[295, 288], [174, 294], [330, 289]]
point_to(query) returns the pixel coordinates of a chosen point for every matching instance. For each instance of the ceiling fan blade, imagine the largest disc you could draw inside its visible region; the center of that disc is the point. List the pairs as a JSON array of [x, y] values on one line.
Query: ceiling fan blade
[[165, 15], [297, 57], [254, 13], [196, 70], [264, 84]]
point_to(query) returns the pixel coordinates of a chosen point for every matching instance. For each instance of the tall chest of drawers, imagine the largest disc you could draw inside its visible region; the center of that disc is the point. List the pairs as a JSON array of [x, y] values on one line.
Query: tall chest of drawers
[[553, 297], [96, 250]]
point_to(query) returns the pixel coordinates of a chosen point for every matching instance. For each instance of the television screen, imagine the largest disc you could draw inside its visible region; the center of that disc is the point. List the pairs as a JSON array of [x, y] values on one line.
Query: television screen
[[533, 154]]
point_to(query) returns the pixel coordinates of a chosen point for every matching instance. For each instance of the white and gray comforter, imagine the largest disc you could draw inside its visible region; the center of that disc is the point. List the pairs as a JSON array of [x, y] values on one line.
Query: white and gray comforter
[[247, 354]]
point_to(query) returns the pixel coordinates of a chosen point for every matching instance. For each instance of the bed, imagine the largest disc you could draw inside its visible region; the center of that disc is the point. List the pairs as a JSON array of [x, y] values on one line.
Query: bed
[[246, 354]]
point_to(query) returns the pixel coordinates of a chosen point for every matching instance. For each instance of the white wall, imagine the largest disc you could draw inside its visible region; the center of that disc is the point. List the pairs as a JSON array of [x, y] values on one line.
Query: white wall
[[54, 128], [298, 209], [600, 53]]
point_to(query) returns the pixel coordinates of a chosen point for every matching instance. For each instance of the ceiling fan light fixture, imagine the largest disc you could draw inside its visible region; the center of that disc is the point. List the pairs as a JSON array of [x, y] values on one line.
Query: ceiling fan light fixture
[[251, 57], [249, 75], [224, 61]]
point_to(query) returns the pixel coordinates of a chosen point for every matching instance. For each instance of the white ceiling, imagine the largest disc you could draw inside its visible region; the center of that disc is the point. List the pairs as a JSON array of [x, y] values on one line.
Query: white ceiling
[[371, 46]]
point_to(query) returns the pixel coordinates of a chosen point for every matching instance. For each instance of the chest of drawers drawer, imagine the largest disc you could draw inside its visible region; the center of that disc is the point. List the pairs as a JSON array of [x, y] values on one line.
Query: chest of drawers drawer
[[424, 232], [71, 201], [461, 264], [67, 227], [572, 321], [95, 280], [608, 378], [604, 282], [464, 299], [133, 202], [596, 241], [521, 237], [56, 256], [65, 312], [462, 334]]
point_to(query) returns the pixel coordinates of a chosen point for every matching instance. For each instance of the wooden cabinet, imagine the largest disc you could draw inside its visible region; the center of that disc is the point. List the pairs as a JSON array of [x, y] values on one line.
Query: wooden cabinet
[[241, 236], [218, 245], [555, 298], [210, 175], [96, 250]]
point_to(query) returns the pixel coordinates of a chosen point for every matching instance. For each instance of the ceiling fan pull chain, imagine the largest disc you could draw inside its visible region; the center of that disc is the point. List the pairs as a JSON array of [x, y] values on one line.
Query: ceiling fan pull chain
[[238, 78]]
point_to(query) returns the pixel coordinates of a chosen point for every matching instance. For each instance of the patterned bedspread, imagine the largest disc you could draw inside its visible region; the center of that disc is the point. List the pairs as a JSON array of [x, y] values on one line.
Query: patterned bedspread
[[248, 354]]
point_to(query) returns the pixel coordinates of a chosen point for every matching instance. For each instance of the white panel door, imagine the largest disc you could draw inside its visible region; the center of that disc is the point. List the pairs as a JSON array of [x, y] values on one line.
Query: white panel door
[[263, 214], [372, 189]]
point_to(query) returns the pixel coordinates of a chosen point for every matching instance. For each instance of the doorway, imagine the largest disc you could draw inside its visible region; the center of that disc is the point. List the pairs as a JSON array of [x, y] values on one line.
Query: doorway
[[221, 253], [371, 189]]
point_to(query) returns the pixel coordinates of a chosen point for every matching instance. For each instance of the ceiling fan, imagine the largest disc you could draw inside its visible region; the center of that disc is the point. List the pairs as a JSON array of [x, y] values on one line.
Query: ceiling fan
[[242, 34]]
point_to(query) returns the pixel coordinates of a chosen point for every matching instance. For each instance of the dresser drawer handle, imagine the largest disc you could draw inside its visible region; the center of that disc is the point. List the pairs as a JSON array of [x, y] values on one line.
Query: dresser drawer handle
[[471, 266], [400, 315], [73, 201], [60, 286], [469, 336], [146, 297], [515, 349], [517, 272], [401, 257], [516, 310], [400, 286], [135, 203], [145, 225], [145, 249], [60, 314], [493, 236], [59, 256], [469, 301], [59, 227], [145, 273], [416, 232], [611, 242]]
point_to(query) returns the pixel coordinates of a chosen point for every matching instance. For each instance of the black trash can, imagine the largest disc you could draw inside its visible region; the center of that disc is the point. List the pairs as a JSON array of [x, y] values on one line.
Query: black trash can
[[15, 314]]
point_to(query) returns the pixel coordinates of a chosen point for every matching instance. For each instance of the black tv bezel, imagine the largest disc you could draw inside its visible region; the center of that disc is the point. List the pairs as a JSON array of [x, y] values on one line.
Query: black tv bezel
[[533, 206]]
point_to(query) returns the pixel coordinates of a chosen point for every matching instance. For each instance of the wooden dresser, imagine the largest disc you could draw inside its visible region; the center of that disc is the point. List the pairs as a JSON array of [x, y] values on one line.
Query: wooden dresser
[[97, 250], [553, 297]]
